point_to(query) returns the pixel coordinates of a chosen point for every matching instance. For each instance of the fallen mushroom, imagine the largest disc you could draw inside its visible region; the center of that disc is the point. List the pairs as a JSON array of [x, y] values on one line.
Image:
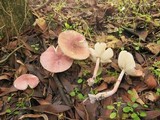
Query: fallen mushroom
[[127, 64], [25, 80], [73, 45], [99, 54], [54, 60]]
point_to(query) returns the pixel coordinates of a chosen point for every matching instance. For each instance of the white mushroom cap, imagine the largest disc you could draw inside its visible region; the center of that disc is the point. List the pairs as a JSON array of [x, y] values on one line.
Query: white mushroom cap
[[126, 62], [54, 60], [73, 45], [100, 51], [25, 80]]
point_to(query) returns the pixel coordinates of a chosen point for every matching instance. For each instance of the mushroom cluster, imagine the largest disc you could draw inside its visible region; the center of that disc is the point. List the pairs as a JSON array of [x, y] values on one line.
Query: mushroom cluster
[[127, 65], [71, 45]]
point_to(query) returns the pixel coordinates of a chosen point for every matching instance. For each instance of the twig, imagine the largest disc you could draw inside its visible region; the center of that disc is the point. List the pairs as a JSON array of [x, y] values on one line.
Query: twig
[[60, 88], [6, 58]]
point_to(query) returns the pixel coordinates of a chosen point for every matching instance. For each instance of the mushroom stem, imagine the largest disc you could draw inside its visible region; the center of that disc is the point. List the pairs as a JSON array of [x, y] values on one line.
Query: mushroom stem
[[96, 68], [103, 95], [91, 80]]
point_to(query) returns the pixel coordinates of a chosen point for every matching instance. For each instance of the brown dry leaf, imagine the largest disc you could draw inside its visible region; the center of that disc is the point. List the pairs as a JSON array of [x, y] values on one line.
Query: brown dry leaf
[[110, 79], [4, 77], [66, 83], [106, 112], [151, 115], [152, 96], [91, 109], [21, 70], [12, 45], [150, 80], [80, 112], [139, 58], [51, 109], [142, 34], [44, 116], [135, 95], [140, 86], [153, 47], [101, 87], [7, 90]]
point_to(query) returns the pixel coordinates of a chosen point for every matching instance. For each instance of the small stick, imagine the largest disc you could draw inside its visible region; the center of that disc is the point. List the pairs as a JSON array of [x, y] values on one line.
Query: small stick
[[60, 88], [6, 58]]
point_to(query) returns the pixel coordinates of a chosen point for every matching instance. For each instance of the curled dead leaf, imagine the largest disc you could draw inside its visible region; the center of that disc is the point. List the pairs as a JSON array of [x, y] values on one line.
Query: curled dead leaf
[[152, 96], [150, 81], [41, 23], [44, 116]]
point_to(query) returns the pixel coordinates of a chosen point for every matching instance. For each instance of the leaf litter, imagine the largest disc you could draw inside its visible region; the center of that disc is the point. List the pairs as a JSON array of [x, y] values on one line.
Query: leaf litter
[[100, 21]]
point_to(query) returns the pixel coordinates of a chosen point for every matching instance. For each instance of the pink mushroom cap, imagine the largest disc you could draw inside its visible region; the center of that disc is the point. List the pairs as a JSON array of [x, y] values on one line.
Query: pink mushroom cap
[[73, 44], [25, 80], [54, 60]]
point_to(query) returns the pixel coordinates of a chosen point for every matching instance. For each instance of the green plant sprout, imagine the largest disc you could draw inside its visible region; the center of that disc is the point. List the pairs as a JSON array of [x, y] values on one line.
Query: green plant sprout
[[137, 46], [111, 73], [76, 93], [115, 109], [156, 69], [130, 112], [36, 47]]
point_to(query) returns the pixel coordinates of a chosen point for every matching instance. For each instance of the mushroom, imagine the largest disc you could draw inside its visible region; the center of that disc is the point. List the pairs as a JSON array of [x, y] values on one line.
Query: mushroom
[[99, 54], [54, 60], [25, 80], [73, 45], [127, 64]]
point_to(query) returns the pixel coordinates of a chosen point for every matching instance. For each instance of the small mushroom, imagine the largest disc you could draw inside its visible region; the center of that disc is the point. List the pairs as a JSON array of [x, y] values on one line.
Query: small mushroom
[[99, 54], [127, 64], [54, 60], [25, 80], [73, 45]]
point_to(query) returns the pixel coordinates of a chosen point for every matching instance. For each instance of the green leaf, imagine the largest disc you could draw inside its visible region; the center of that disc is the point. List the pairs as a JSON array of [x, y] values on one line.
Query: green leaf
[[79, 80], [8, 110], [72, 94], [146, 106], [134, 115], [113, 115], [142, 114], [80, 96], [130, 92], [67, 25], [136, 118], [127, 109], [135, 105], [133, 99], [110, 107], [125, 116]]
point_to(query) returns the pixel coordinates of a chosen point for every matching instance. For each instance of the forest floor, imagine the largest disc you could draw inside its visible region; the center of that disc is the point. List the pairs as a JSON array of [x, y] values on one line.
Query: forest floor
[[132, 25]]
